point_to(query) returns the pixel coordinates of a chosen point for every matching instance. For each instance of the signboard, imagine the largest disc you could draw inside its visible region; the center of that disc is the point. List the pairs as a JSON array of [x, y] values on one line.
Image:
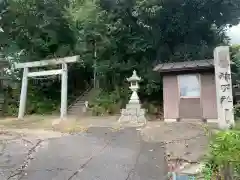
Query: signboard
[[185, 177], [175, 176], [223, 87]]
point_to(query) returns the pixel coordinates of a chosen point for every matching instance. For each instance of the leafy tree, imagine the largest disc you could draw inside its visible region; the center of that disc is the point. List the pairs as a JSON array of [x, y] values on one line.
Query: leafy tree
[[235, 56], [114, 37], [38, 28], [142, 33], [35, 30]]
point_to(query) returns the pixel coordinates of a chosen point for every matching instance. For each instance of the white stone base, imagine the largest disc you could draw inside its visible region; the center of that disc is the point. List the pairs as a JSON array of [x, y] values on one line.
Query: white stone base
[[132, 119], [133, 114], [170, 120], [191, 120], [212, 120]]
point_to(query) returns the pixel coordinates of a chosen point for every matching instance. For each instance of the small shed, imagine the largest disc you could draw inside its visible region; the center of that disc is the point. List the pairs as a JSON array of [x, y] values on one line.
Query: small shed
[[189, 90]]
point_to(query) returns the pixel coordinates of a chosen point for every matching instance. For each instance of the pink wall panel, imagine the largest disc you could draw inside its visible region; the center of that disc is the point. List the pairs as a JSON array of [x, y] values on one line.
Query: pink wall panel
[[170, 97], [208, 99]]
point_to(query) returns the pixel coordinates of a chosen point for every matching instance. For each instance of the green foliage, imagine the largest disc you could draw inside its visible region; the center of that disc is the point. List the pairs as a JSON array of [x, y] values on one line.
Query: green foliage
[[38, 28], [224, 153], [35, 30], [207, 172], [134, 34], [109, 102], [235, 56], [40, 104], [237, 111], [11, 110], [114, 37], [225, 147], [151, 108]]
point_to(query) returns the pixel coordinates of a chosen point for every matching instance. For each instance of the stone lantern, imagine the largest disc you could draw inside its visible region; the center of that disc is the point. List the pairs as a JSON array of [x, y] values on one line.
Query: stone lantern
[[134, 79], [133, 112]]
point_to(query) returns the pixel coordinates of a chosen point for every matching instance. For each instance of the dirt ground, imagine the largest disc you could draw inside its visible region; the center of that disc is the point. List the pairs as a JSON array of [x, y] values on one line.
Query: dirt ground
[[186, 141]]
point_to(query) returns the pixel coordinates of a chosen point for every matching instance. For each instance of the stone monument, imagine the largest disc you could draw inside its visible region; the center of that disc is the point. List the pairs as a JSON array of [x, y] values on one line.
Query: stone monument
[[223, 87], [133, 112]]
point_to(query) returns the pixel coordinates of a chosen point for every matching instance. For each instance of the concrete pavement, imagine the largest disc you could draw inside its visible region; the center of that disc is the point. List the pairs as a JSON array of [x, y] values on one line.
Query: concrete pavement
[[99, 154]]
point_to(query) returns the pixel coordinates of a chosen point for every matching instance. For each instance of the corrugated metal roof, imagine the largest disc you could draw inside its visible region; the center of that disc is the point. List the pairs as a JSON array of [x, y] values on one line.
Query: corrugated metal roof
[[186, 65]]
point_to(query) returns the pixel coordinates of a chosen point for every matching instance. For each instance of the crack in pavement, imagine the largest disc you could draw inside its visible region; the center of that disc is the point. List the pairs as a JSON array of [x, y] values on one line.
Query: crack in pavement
[[51, 170], [15, 136], [131, 167], [18, 173], [88, 161], [134, 167]]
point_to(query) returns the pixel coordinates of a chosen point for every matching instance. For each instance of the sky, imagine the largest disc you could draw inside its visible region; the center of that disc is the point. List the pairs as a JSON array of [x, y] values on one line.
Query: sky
[[234, 34]]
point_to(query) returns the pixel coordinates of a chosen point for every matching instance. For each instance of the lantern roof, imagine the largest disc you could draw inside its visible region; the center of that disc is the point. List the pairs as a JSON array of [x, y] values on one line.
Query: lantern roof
[[134, 77]]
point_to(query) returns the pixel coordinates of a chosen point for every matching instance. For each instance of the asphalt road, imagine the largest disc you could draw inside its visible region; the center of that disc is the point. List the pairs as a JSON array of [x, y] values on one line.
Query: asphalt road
[[99, 154]]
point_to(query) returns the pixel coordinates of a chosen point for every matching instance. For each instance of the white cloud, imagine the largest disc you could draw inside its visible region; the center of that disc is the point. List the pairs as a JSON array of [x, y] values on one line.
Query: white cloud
[[234, 34]]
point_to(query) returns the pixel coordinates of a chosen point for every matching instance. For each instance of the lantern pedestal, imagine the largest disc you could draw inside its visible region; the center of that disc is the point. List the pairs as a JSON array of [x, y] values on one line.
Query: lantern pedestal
[[133, 112]]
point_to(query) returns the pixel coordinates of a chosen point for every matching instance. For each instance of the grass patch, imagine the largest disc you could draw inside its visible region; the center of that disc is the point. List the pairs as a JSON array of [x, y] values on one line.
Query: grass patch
[[30, 122], [237, 125], [70, 126], [43, 122]]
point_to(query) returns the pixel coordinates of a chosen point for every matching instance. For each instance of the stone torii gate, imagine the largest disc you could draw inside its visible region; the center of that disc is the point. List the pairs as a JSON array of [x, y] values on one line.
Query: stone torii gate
[[64, 76]]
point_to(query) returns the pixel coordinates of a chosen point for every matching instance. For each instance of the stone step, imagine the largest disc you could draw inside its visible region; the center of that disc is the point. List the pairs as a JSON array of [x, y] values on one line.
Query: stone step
[[78, 105], [77, 108], [80, 102]]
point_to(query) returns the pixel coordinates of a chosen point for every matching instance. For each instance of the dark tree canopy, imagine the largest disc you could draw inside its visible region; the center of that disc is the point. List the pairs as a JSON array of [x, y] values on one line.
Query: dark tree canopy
[[118, 35]]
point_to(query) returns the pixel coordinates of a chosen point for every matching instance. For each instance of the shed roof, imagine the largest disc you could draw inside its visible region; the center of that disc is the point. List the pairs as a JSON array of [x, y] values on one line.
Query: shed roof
[[186, 65]]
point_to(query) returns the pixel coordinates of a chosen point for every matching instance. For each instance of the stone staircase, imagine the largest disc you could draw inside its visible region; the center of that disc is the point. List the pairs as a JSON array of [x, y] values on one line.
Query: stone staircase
[[78, 108]]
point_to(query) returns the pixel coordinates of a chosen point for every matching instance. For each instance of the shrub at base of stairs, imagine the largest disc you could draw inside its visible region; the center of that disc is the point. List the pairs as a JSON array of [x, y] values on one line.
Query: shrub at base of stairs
[[109, 103]]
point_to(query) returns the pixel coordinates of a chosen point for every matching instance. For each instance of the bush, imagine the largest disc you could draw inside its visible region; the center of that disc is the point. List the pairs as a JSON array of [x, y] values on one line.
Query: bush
[[109, 102], [11, 110], [223, 158], [151, 108], [237, 111], [37, 102]]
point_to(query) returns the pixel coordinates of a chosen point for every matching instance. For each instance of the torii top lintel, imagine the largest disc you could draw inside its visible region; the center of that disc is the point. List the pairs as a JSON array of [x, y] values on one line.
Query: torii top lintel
[[41, 63]]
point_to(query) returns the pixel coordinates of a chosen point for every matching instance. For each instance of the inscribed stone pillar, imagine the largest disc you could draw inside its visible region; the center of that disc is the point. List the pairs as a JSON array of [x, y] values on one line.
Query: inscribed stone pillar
[[223, 87], [3, 64]]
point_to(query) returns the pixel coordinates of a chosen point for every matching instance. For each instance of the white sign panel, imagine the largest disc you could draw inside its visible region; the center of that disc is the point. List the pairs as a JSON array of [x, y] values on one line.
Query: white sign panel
[[223, 87]]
